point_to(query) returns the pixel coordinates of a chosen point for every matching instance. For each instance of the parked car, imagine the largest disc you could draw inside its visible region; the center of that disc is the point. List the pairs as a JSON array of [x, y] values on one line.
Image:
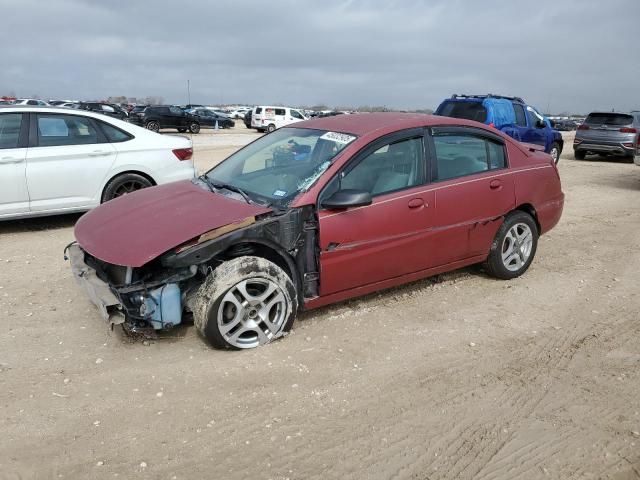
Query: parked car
[[157, 117], [565, 125], [109, 109], [210, 119], [30, 101], [58, 160], [316, 213], [247, 119], [510, 115], [608, 133], [270, 118], [239, 112]]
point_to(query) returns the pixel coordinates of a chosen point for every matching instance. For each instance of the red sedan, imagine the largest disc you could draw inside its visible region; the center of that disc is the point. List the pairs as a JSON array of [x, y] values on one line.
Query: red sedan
[[315, 213]]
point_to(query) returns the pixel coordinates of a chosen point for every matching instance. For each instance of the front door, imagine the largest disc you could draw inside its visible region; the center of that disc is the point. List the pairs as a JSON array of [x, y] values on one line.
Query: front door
[[68, 163], [14, 196], [473, 190], [388, 238]]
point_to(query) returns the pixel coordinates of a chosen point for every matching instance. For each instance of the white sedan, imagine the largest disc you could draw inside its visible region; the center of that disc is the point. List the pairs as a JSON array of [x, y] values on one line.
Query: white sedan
[[57, 160]]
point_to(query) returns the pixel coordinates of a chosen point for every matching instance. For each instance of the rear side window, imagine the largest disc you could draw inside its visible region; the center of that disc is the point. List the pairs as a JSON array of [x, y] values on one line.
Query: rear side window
[[113, 134], [615, 119], [521, 119], [10, 130], [56, 130], [467, 110], [280, 111], [258, 110], [460, 155]]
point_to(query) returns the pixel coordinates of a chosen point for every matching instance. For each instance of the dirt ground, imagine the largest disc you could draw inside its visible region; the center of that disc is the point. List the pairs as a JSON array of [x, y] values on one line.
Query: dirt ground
[[460, 376]]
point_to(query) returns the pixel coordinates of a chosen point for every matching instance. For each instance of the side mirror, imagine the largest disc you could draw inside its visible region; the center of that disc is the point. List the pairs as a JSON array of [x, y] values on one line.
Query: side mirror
[[540, 124], [347, 198]]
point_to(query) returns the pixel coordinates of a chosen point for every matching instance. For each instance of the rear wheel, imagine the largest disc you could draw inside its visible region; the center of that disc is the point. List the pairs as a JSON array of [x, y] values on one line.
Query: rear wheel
[[194, 127], [271, 128], [513, 247], [579, 154], [244, 303], [554, 151], [153, 126], [123, 185]]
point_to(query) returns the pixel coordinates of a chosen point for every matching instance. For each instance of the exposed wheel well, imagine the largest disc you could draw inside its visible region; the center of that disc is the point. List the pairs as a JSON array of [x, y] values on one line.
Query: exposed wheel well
[[528, 208], [153, 182], [268, 253]]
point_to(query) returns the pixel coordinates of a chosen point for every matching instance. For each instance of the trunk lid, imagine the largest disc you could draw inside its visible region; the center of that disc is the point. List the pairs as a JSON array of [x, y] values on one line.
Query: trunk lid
[[136, 228]]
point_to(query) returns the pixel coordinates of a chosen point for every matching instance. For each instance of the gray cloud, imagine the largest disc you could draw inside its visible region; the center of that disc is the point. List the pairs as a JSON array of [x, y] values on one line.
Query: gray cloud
[[571, 55]]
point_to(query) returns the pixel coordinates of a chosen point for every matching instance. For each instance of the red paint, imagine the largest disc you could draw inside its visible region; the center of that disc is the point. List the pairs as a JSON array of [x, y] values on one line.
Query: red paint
[[400, 237], [134, 229]]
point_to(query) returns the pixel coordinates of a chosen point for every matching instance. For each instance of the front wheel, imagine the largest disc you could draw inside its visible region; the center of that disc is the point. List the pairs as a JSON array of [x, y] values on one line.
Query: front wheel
[[153, 126], [244, 303], [194, 127], [513, 247], [554, 151]]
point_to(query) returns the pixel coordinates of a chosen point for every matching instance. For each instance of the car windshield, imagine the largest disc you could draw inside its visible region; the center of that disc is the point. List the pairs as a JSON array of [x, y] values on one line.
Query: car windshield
[[467, 110], [277, 167]]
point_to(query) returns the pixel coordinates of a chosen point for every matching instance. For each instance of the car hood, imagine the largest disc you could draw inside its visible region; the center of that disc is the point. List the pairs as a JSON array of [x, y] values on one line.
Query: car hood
[[134, 229]]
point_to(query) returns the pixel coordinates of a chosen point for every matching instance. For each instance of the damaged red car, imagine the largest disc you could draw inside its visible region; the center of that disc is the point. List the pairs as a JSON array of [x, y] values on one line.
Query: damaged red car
[[315, 213]]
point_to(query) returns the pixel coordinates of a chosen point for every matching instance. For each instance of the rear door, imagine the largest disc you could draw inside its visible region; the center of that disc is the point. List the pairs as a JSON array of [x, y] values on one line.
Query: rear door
[[14, 196], [473, 189], [527, 128], [67, 162]]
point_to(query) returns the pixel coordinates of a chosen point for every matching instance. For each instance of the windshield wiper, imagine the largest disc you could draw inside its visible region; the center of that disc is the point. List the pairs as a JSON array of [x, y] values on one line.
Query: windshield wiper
[[227, 186]]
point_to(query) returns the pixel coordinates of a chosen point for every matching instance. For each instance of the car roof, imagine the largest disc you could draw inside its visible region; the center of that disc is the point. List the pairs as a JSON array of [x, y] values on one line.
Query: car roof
[[382, 122], [51, 109]]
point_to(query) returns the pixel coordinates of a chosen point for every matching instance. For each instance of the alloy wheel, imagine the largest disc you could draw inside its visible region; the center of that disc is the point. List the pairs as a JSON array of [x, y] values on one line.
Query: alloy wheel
[[517, 247], [252, 313], [127, 187]]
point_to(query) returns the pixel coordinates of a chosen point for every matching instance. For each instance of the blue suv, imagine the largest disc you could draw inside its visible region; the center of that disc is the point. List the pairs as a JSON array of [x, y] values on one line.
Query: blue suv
[[510, 115]]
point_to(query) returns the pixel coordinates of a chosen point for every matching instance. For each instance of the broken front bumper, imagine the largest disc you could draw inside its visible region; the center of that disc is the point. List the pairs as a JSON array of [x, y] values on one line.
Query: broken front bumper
[[98, 291]]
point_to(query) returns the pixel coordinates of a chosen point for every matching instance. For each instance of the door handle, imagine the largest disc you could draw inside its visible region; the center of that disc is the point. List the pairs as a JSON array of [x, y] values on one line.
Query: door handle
[[11, 160], [416, 203], [495, 185], [99, 153]]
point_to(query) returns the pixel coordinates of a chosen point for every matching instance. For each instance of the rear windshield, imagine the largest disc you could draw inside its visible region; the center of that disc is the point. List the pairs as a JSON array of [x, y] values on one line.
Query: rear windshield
[[467, 110], [616, 119]]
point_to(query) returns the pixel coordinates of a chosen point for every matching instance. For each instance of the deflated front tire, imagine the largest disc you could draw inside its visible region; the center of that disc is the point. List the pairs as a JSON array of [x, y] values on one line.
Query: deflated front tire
[[244, 303]]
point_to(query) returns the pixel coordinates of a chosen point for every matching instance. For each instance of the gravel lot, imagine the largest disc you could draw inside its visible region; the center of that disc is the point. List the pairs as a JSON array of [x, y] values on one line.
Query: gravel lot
[[460, 376]]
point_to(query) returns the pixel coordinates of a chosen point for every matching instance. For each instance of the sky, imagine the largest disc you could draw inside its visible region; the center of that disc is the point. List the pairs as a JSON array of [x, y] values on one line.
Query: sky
[[559, 55]]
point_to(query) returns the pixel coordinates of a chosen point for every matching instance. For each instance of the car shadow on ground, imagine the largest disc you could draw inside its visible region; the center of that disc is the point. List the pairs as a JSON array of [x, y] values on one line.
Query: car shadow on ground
[[606, 159], [39, 224], [393, 294]]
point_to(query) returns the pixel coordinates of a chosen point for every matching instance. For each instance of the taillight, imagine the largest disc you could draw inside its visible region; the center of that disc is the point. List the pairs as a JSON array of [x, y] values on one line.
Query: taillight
[[628, 130], [183, 153], [583, 127]]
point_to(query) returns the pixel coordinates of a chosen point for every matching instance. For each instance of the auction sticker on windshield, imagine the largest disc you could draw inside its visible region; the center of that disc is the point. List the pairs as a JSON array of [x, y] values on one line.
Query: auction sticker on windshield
[[338, 137]]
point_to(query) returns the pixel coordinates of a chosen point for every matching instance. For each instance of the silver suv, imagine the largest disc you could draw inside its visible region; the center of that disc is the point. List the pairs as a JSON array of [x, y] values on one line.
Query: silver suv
[[608, 133]]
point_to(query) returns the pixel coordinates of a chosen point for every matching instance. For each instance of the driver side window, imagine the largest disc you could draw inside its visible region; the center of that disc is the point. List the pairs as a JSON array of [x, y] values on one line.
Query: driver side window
[[395, 166]]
